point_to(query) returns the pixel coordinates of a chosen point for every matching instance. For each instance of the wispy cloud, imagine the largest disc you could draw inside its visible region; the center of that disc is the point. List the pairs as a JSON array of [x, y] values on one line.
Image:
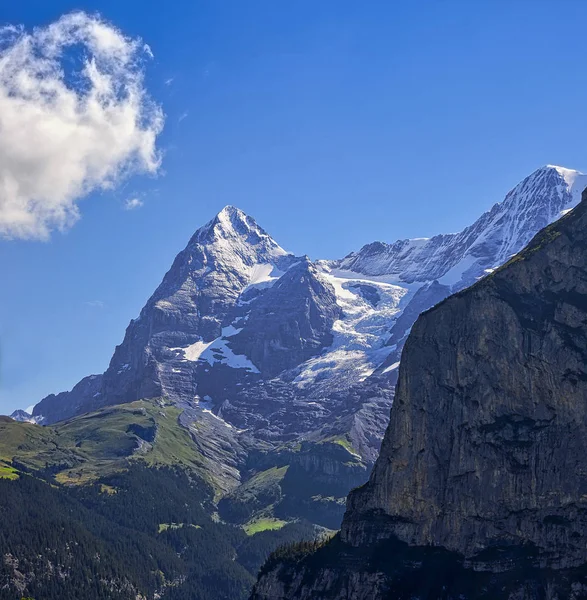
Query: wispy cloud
[[95, 304], [169, 81], [64, 134], [183, 116], [147, 50], [133, 203]]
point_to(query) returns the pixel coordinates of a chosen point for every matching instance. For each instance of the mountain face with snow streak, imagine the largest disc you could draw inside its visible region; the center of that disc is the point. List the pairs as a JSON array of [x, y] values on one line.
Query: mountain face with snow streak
[[265, 349], [228, 257]]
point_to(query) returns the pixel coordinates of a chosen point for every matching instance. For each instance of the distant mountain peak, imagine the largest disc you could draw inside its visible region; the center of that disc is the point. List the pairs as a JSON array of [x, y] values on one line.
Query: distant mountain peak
[[231, 224], [572, 182], [23, 416], [571, 177], [564, 171]]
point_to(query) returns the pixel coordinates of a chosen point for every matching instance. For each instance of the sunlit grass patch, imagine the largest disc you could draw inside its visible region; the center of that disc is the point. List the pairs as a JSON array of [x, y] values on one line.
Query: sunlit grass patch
[[165, 526], [269, 524], [8, 472]]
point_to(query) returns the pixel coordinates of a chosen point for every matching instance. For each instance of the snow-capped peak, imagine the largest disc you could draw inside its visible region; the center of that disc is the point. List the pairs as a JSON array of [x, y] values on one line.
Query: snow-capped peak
[[233, 242], [231, 223], [575, 180], [568, 174], [564, 181], [222, 259], [24, 416], [458, 259]]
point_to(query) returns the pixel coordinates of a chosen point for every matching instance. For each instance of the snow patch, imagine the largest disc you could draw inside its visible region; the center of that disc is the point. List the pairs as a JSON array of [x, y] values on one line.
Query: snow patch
[[454, 275], [262, 274], [361, 332], [206, 405], [392, 367], [218, 351]]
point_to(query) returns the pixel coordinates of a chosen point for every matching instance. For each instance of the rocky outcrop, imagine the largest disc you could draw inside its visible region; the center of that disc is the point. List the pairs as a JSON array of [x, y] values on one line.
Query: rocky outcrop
[[291, 322], [480, 488], [84, 397]]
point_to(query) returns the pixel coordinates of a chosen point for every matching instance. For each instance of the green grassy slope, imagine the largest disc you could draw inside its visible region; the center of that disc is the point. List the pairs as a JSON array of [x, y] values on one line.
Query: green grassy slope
[[129, 488], [86, 448]]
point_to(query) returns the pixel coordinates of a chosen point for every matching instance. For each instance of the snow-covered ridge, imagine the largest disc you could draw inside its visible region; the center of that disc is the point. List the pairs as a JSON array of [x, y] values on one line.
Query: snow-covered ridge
[[499, 233], [366, 338]]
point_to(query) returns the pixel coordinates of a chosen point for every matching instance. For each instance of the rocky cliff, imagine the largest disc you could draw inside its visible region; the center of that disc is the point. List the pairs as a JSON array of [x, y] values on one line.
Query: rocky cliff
[[480, 490]]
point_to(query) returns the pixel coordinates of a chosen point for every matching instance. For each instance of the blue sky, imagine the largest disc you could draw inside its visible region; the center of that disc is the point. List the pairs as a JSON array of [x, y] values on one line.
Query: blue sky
[[333, 123]]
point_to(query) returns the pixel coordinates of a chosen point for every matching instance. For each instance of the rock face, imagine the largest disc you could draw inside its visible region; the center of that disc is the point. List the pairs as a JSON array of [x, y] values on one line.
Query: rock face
[[480, 490], [277, 340]]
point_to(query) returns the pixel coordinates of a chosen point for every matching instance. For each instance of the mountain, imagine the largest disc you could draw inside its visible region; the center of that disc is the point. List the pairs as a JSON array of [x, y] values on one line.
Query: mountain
[[23, 416], [211, 307], [229, 256], [266, 377], [479, 490], [277, 360]]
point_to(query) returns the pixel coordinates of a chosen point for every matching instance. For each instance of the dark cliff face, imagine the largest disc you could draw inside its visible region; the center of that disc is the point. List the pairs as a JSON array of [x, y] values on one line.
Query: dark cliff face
[[489, 428], [481, 479]]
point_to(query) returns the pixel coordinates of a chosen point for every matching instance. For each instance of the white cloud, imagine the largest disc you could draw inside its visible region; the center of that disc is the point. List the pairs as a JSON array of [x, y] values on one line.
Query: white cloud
[[133, 203], [67, 131]]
